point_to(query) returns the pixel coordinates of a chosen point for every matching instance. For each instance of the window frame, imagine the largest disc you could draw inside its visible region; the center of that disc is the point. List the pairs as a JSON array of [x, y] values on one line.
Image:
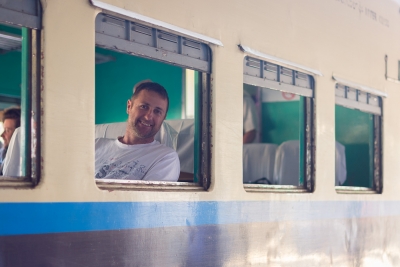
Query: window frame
[[377, 177], [307, 158], [153, 53], [307, 137], [30, 21]]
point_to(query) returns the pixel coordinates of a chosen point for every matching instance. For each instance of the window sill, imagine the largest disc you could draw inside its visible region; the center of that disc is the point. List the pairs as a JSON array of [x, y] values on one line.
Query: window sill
[[133, 185], [264, 188], [15, 182], [354, 190]]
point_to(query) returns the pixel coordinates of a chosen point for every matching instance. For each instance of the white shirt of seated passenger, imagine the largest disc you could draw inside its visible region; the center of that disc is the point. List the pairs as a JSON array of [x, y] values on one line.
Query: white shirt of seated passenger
[[250, 117], [149, 162]]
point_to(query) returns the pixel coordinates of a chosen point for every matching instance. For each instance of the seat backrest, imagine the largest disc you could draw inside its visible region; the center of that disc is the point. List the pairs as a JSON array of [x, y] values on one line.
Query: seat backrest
[[287, 168], [258, 161], [185, 142], [340, 164], [13, 162], [287, 163]]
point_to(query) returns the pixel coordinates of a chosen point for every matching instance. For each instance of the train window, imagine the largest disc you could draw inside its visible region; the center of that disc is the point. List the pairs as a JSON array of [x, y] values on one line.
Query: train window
[[277, 128], [358, 116], [20, 23], [128, 52]]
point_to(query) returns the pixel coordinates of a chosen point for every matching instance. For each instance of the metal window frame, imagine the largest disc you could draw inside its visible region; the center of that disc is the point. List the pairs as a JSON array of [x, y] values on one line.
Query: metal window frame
[[377, 113], [32, 118], [259, 73], [129, 36], [355, 102], [359, 86], [120, 12], [307, 169], [29, 17], [279, 61], [155, 53]]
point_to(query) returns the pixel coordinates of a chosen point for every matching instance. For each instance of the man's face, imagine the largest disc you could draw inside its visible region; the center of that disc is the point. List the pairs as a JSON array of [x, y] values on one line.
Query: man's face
[[146, 114], [9, 128]]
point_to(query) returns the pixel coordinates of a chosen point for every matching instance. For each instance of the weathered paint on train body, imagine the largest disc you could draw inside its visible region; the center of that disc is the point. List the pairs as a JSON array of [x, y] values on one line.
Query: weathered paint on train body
[[68, 221]]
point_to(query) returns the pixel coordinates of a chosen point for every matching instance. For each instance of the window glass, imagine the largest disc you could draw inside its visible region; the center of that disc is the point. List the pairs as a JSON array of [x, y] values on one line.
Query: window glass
[[354, 131]]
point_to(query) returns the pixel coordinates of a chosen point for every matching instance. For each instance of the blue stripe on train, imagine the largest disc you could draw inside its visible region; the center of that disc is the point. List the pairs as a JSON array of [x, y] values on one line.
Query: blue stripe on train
[[40, 218]]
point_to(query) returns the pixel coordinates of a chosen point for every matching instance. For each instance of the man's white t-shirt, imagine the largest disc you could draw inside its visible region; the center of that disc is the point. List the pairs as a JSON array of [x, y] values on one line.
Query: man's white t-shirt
[[149, 162], [250, 118]]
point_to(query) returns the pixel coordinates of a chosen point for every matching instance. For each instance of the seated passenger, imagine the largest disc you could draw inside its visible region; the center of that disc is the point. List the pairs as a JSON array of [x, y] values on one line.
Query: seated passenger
[[13, 162], [136, 155], [250, 119], [11, 121]]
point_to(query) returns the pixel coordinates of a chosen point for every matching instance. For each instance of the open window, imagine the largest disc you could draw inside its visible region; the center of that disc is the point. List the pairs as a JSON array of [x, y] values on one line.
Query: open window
[[128, 52], [358, 120], [280, 157], [20, 23]]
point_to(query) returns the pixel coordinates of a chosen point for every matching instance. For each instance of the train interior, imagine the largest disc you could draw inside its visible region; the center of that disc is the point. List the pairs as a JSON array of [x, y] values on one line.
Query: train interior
[[116, 74], [278, 119], [281, 132], [12, 69]]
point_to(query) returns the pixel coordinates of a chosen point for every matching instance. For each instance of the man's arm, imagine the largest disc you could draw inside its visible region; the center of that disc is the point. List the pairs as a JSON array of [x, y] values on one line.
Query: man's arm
[[249, 136], [250, 120]]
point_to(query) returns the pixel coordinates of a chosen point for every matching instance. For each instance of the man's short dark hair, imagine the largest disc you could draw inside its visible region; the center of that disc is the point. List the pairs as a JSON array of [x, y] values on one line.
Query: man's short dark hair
[[13, 113], [153, 87]]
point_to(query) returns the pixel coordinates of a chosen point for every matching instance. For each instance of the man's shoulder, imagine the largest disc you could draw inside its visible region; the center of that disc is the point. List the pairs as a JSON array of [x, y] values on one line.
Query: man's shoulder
[[162, 151], [164, 155], [161, 147], [103, 141]]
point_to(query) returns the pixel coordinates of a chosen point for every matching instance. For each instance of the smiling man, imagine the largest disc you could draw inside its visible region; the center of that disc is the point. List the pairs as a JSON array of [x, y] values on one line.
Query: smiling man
[[136, 155]]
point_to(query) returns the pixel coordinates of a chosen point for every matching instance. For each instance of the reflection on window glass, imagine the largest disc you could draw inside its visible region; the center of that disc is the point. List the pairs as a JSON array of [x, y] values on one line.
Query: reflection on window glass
[[354, 133], [116, 75], [13, 94]]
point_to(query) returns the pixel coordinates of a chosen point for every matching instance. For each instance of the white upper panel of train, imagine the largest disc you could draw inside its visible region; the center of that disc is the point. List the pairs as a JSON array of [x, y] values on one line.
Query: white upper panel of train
[[342, 38]]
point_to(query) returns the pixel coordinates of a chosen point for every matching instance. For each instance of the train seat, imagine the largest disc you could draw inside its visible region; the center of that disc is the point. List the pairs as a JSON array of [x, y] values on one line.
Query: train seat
[[258, 162], [177, 134], [287, 164], [184, 142]]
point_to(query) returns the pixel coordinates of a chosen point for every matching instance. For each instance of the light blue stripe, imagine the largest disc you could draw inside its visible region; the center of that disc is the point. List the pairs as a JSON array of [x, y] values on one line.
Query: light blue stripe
[[39, 218]]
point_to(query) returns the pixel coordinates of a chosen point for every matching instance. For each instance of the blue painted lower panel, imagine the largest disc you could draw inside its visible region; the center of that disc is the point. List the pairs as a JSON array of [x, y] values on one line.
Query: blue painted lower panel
[[373, 241], [40, 218]]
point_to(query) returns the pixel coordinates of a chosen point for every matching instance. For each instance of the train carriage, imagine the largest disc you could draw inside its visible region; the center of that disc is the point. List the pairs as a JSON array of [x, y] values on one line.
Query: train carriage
[[316, 187]]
